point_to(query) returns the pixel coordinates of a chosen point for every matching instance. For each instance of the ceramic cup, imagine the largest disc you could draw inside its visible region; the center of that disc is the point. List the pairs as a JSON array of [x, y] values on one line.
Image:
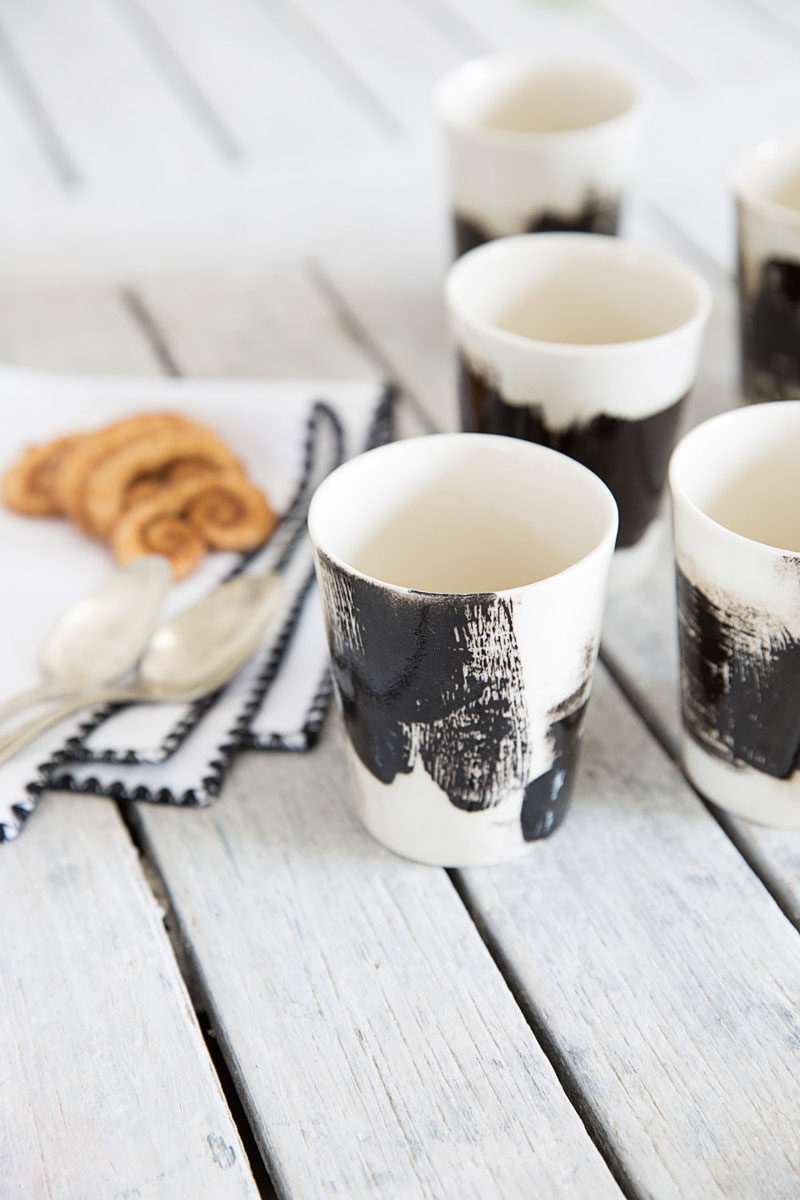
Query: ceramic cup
[[462, 580], [534, 146], [767, 187], [736, 502], [589, 345]]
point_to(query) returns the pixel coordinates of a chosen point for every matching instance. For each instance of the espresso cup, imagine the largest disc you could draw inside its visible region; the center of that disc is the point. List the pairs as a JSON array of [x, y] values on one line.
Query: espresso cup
[[736, 504], [767, 188], [588, 345], [534, 146], [462, 581]]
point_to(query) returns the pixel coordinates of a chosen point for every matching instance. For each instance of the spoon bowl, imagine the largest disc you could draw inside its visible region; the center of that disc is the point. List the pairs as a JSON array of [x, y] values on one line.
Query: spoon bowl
[[190, 656], [100, 638]]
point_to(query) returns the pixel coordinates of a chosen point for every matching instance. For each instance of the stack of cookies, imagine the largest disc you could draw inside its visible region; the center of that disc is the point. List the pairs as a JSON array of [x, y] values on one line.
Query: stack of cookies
[[157, 483]]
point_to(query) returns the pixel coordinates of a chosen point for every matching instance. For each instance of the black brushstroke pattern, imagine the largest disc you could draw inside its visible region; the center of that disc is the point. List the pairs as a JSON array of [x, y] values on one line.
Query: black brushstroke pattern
[[547, 798], [631, 457], [420, 678], [770, 333], [596, 216], [740, 682]]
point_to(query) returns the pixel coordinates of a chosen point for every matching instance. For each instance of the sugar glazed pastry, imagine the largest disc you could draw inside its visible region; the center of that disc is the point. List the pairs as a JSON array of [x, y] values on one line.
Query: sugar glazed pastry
[[156, 483]]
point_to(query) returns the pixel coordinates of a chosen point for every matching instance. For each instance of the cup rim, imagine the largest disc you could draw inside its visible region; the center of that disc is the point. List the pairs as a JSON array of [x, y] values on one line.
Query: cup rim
[[731, 416], [520, 138], [594, 243], [767, 148], [509, 445]]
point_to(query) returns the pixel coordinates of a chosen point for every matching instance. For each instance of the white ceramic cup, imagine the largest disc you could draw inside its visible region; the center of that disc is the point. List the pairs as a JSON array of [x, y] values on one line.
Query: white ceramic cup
[[767, 188], [462, 580], [589, 345], [535, 145], [736, 503]]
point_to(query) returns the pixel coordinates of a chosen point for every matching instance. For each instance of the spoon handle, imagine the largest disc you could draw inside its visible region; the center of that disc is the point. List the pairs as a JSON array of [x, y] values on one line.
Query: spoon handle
[[34, 695], [21, 735]]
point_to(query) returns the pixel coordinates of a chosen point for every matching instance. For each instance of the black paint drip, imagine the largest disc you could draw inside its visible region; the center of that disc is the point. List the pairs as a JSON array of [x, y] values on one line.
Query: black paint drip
[[770, 333], [740, 682], [547, 798], [596, 216], [631, 457], [421, 678]]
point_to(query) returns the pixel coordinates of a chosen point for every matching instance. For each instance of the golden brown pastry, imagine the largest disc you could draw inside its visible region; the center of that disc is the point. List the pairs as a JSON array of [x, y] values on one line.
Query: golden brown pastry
[[155, 483], [72, 471], [230, 512], [103, 497], [224, 510], [28, 485]]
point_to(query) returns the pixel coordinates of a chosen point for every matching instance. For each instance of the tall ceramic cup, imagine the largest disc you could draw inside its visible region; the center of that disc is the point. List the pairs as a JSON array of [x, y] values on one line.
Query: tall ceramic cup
[[462, 581], [767, 186], [534, 146], [736, 501], [588, 345]]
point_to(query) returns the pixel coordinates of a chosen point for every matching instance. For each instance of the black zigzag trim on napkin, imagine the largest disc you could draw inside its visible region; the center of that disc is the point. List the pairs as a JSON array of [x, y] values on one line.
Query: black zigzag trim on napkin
[[293, 522], [381, 430], [51, 777]]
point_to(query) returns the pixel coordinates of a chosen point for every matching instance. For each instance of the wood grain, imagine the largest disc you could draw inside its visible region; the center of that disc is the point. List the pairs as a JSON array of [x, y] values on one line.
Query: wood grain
[[108, 1089]]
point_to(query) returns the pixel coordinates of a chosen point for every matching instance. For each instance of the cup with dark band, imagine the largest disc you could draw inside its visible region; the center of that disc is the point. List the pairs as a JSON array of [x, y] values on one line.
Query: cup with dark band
[[588, 345], [537, 146], [767, 187]]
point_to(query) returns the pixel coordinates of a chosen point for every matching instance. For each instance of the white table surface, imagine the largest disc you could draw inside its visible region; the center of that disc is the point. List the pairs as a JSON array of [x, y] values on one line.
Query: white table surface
[[256, 999]]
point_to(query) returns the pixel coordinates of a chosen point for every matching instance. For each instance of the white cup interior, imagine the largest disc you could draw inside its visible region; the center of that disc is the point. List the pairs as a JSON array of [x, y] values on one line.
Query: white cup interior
[[574, 289], [461, 514], [741, 471], [515, 95], [769, 174]]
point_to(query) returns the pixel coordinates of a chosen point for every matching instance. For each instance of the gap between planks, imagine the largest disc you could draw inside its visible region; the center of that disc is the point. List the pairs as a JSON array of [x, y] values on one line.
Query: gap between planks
[[45, 135], [199, 1001]]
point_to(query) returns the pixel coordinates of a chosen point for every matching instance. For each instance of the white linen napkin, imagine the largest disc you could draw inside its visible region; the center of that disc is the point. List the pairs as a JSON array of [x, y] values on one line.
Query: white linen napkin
[[289, 434]]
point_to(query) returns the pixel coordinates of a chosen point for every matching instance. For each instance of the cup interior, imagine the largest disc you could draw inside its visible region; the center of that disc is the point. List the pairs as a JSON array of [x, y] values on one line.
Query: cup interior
[[509, 94], [461, 514], [741, 471], [574, 289], [770, 174]]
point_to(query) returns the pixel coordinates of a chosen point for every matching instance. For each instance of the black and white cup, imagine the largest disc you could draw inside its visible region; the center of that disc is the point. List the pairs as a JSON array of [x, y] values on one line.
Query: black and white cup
[[736, 505], [534, 146], [767, 188], [462, 581], [588, 345]]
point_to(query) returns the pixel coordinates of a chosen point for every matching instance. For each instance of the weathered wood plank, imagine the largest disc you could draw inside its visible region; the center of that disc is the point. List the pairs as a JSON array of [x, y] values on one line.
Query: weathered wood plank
[[279, 112], [108, 1089], [378, 1049], [662, 970], [394, 52], [119, 119]]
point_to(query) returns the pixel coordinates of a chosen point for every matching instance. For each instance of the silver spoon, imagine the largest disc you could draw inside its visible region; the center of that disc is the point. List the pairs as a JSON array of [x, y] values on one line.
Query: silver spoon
[[191, 655], [100, 638]]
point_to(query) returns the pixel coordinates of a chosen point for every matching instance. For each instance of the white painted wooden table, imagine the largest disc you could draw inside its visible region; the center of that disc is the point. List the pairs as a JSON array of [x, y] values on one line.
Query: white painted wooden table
[[256, 999]]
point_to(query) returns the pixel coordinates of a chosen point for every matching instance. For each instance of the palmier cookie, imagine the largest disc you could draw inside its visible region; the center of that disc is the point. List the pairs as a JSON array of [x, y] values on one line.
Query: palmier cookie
[[226, 511], [28, 485], [72, 471], [107, 483]]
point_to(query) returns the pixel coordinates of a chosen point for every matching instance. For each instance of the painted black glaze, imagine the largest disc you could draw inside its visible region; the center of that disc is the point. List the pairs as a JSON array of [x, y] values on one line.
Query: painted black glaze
[[418, 678], [596, 216], [547, 798], [631, 457], [740, 682], [770, 333]]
